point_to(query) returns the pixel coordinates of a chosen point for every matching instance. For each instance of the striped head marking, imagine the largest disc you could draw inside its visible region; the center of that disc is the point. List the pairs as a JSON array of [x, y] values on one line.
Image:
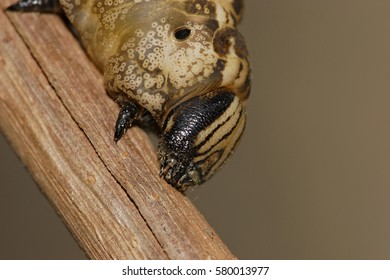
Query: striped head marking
[[199, 136]]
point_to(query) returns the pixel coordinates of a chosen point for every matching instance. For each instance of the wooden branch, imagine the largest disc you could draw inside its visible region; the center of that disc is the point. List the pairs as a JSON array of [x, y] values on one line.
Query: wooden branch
[[55, 113]]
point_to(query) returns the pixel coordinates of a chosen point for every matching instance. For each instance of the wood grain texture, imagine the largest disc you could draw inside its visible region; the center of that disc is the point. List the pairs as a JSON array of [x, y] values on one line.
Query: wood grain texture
[[55, 113]]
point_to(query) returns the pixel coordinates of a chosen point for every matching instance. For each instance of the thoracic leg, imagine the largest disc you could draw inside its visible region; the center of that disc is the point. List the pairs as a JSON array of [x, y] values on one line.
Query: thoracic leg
[[45, 6], [126, 117]]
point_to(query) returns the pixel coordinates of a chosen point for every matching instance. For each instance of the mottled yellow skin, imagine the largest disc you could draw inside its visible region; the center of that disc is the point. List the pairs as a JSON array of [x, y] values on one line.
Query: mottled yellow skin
[[133, 43]]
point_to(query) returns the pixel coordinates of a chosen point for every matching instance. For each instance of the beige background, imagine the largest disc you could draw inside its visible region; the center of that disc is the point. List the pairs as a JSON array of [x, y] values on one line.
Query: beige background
[[311, 177]]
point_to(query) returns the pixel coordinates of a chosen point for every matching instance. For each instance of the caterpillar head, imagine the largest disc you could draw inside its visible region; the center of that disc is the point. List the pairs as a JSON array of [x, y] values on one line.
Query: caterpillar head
[[199, 135]]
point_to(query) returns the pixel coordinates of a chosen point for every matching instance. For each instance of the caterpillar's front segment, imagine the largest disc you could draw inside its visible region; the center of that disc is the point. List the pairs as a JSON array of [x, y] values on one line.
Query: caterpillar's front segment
[[179, 63]]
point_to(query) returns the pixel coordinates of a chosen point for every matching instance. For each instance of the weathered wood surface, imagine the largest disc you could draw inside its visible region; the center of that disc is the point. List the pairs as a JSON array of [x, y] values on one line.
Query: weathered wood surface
[[55, 113]]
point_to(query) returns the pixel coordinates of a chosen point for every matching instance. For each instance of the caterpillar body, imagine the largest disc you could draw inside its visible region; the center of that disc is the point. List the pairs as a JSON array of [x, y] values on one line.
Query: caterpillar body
[[181, 64]]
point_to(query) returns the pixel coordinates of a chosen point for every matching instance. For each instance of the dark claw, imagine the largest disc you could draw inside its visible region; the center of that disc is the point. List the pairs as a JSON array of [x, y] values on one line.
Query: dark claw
[[125, 119], [45, 6]]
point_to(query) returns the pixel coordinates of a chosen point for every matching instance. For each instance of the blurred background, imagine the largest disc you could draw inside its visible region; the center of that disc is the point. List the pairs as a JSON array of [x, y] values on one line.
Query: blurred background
[[310, 179]]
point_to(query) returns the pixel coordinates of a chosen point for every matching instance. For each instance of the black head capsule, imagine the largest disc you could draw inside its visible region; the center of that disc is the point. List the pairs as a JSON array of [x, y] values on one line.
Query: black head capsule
[[198, 136]]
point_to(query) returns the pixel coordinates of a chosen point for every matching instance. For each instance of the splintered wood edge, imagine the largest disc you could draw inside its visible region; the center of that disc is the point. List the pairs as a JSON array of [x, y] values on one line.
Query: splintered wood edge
[[55, 113]]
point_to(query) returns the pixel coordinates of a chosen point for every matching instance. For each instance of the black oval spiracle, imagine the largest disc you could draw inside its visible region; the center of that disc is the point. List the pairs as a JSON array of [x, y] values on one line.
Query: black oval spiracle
[[182, 33]]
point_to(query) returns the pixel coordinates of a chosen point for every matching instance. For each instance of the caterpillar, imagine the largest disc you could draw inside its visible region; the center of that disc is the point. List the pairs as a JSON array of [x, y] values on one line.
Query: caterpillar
[[180, 64]]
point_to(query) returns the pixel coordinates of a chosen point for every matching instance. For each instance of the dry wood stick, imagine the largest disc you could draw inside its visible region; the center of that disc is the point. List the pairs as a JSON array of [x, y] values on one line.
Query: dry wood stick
[[54, 111]]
